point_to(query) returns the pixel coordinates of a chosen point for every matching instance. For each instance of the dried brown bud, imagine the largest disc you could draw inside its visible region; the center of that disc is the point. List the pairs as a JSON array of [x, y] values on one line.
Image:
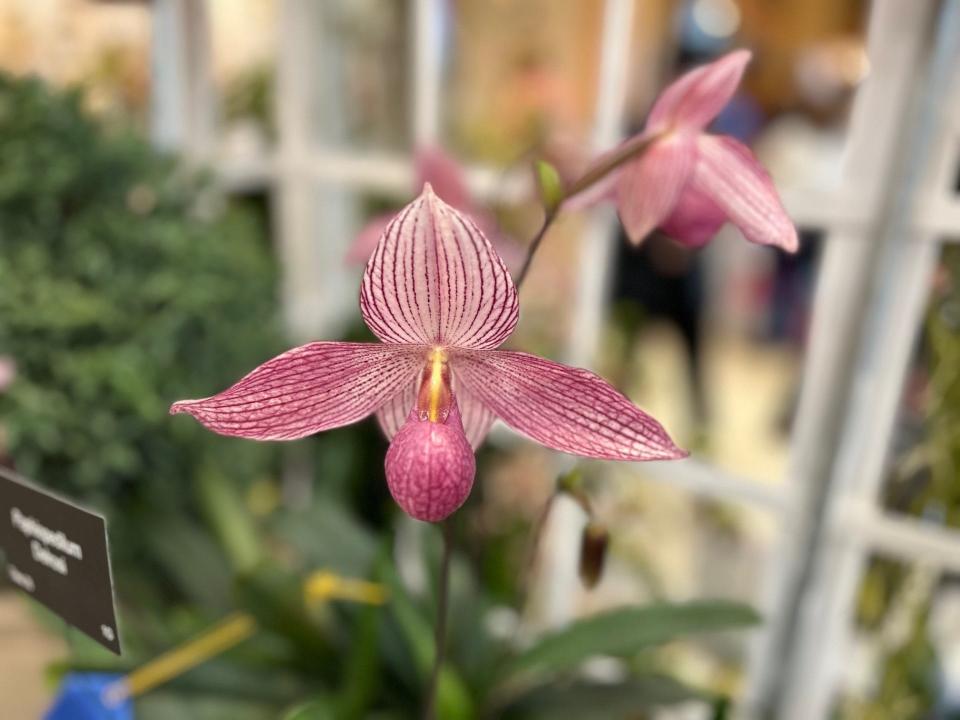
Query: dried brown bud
[[593, 553]]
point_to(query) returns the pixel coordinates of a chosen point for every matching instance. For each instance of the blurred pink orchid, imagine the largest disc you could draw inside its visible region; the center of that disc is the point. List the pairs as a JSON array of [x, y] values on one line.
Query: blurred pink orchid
[[440, 299], [687, 182], [444, 174]]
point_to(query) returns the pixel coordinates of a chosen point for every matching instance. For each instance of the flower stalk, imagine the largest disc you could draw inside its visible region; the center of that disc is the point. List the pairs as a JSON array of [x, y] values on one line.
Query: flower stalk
[[440, 637], [631, 149]]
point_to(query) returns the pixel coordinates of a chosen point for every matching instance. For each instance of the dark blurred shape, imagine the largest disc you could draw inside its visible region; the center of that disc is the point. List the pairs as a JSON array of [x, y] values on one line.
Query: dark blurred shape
[[593, 553], [662, 279], [792, 291]]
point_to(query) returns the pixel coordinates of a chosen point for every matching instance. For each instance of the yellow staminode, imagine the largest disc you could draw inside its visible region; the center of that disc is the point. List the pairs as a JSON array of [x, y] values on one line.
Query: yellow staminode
[[325, 585], [438, 385]]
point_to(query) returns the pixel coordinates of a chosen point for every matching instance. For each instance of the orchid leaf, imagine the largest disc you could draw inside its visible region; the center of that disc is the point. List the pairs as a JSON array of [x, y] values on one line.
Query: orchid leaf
[[327, 536], [360, 679], [207, 577], [603, 701], [166, 705], [229, 519], [453, 698], [320, 708], [626, 631]]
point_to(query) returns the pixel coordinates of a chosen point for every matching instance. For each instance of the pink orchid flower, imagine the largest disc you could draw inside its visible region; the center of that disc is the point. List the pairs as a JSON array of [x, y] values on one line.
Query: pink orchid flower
[[432, 165], [689, 183], [441, 301]]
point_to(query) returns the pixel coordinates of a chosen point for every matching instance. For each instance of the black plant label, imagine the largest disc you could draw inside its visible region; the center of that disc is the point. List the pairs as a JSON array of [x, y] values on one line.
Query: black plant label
[[56, 553]]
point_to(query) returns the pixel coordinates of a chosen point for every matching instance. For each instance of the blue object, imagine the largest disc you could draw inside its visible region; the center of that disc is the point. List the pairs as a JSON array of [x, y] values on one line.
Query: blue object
[[81, 698]]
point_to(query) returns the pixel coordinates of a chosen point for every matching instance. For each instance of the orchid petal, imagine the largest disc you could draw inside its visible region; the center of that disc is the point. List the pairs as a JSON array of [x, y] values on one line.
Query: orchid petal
[[430, 467], [445, 176], [310, 388], [567, 409], [366, 240], [475, 416], [435, 279], [434, 167], [693, 100], [393, 414], [695, 219], [650, 186], [731, 176]]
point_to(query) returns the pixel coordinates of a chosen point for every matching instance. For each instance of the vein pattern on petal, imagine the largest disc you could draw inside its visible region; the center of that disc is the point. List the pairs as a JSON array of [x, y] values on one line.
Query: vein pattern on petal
[[732, 177], [650, 186], [310, 388], [692, 101], [434, 279], [564, 408]]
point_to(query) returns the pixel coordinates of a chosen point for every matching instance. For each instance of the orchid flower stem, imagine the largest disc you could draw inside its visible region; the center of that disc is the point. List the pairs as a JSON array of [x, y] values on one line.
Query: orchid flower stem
[[628, 151], [633, 148], [443, 592], [534, 246]]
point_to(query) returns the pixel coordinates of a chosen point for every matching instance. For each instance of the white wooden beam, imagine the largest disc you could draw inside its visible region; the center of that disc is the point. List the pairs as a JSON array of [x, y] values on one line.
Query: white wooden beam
[[182, 99], [897, 300], [427, 49], [896, 37], [599, 236]]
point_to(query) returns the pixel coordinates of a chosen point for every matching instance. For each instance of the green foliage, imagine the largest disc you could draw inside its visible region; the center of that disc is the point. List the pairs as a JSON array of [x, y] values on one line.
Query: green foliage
[[249, 96], [626, 631], [489, 675], [581, 699], [453, 698], [124, 285], [942, 448], [318, 709]]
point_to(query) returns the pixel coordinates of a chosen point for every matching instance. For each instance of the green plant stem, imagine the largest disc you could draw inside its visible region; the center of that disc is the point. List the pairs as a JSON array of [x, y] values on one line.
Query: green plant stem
[[443, 593], [628, 151], [535, 245]]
